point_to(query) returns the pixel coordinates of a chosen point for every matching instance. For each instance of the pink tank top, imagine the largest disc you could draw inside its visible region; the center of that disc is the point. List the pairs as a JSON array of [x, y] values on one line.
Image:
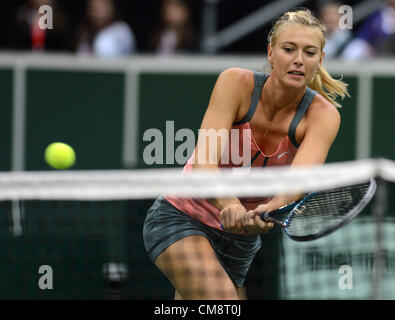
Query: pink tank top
[[203, 210]]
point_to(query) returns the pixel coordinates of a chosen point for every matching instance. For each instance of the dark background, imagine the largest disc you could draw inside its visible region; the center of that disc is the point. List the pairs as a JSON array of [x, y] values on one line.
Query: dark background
[[142, 17]]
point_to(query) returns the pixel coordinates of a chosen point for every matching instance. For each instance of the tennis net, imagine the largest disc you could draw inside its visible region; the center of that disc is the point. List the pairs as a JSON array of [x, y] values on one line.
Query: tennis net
[[78, 234]]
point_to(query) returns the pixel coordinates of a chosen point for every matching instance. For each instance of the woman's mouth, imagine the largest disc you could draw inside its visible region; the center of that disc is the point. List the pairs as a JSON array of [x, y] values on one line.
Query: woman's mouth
[[296, 74]]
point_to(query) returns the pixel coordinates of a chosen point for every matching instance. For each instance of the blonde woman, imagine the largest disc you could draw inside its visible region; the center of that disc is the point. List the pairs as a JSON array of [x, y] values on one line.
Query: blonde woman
[[291, 117]]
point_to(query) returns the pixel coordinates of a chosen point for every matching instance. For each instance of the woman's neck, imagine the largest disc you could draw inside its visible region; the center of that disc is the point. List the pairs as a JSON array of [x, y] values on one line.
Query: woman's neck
[[279, 99]]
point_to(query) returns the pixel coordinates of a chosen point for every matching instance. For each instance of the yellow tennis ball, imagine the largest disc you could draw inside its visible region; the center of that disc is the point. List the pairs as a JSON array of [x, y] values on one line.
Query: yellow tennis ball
[[60, 155]]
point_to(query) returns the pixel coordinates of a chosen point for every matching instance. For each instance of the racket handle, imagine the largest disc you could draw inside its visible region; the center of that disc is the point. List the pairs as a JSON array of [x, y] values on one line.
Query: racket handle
[[264, 216]]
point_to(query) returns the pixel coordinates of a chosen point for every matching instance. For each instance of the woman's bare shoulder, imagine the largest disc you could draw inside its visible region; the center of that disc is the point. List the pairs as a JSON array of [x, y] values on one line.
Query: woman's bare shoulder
[[321, 108], [239, 83], [243, 78]]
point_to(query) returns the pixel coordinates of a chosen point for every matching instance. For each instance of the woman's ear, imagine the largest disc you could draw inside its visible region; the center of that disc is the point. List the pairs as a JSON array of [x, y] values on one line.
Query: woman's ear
[[270, 54], [321, 59]]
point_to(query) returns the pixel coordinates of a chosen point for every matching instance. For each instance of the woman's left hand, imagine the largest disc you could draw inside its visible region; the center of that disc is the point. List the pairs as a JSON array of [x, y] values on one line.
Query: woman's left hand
[[253, 224]]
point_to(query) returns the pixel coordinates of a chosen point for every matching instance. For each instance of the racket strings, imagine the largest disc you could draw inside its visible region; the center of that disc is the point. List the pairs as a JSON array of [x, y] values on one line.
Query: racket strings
[[325, 210]]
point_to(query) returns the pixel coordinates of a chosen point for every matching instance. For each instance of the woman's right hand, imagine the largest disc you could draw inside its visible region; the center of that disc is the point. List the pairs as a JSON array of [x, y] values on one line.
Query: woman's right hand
[[234, 218], [231, 217]]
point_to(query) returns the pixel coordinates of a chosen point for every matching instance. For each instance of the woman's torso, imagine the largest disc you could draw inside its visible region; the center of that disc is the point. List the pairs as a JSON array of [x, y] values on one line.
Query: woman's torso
[[244, 150]]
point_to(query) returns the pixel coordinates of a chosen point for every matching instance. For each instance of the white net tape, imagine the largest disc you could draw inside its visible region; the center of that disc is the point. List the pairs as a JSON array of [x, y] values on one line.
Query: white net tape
[[150, 183]]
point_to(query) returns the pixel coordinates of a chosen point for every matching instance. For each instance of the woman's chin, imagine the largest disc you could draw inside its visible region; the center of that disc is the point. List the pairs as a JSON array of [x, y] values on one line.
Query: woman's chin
[[295, 84]]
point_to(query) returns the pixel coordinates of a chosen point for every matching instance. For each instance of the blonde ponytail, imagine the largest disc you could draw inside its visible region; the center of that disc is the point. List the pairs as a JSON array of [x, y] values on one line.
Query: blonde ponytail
[[328, 87], [322, 81]]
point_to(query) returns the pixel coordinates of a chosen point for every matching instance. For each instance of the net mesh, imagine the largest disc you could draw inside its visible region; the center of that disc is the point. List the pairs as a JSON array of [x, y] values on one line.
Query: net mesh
[[78, 235]]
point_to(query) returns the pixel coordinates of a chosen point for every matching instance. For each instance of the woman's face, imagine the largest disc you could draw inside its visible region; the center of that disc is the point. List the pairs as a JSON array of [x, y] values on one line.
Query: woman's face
[[296, 55]]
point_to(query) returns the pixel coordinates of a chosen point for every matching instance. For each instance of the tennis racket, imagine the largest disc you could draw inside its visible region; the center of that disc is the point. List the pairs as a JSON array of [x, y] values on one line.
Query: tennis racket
[[321, 213]]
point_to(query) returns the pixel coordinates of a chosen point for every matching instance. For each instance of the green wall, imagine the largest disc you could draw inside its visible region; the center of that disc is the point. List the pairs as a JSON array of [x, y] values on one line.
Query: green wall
[[6, 78], [383, 113], [170, 97], [83, 109], [343, 149]]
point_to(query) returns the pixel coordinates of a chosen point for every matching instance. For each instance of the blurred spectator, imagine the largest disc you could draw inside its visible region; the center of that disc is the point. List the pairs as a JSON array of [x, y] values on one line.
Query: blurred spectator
[[26, 34], [103, 33], [387, 47], [175, 32], [336, 37], [374, 33]]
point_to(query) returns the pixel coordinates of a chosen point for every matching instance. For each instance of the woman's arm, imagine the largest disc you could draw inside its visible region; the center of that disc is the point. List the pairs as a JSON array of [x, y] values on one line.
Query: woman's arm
[[224, 108], [321, 128], [229, 103]]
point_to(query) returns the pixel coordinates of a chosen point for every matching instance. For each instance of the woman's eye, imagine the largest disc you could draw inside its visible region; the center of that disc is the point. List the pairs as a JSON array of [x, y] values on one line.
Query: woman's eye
[[288, 49], [310, 53]]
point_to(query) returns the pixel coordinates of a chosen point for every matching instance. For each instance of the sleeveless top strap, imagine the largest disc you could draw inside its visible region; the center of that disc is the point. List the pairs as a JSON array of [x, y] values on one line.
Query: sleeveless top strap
[[259, 80], [300, 112]]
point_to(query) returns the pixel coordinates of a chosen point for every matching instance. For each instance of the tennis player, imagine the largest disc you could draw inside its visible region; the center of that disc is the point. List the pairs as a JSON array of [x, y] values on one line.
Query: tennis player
[[291, 117]]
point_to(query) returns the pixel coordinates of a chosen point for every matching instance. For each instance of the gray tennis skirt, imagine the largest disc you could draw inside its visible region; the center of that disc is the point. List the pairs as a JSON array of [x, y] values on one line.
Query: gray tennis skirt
[[165, 224]]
